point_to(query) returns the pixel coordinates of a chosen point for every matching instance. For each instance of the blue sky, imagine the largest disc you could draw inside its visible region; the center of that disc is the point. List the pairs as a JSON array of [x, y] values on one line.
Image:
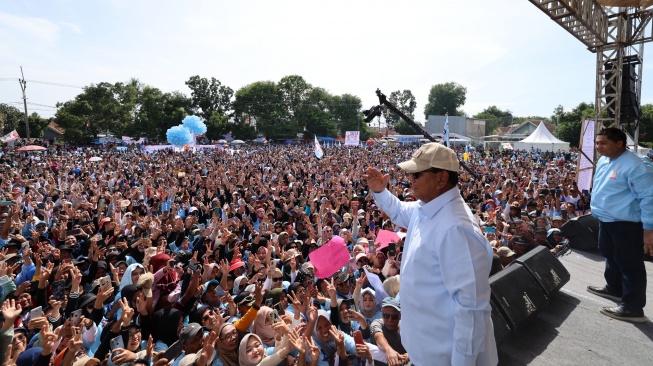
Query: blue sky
[[507, 52]]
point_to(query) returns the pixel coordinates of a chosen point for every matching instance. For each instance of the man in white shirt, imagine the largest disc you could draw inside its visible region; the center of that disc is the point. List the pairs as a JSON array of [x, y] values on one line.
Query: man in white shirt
[[445, 292]]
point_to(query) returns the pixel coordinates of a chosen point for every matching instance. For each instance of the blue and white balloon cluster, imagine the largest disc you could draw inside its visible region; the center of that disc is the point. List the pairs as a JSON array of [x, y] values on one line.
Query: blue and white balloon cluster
[[184, 133], [179, 136], [194, 124]]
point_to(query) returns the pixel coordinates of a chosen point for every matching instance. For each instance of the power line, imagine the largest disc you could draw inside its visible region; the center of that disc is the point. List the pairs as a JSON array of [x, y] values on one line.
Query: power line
[[41, 105], [55, 84]]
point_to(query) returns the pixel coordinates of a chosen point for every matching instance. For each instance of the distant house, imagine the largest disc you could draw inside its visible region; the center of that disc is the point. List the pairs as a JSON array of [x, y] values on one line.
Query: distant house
[[53, 132]]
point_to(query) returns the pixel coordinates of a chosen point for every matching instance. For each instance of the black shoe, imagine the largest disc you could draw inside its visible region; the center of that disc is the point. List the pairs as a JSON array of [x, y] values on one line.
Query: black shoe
[[622, 313], [601, 291]]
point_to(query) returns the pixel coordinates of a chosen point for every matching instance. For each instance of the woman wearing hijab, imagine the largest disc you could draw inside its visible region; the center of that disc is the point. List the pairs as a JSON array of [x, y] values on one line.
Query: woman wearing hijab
[[226, 346], [365, 300], [132, 274], [239, 285], [331, 342], [263, 327], [279, 299], [165, 279], [349, 320], [251, 352]]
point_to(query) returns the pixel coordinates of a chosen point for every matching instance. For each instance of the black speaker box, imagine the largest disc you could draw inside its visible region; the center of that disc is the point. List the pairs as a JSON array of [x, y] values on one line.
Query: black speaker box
[[582, 232], [517, 294], [546, 268], [630, 105], [501, 327]]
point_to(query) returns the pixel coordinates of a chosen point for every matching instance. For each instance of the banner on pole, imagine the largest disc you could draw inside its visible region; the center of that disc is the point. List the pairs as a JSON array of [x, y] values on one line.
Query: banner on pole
[[352, 138], [11, 136]]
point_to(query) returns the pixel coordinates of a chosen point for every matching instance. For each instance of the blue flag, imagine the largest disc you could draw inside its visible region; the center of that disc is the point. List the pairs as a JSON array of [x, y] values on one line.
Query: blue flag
[[446, 131]]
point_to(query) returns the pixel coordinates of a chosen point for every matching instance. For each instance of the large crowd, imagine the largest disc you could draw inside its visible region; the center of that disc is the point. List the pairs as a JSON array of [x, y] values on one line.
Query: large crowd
[[197, 258]]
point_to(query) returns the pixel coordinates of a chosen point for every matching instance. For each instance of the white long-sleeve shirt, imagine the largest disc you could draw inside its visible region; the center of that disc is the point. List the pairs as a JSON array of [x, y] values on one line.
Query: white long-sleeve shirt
[[445, 292]]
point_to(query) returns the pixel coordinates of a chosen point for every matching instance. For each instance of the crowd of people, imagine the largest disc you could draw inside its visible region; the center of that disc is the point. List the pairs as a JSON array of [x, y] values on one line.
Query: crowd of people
[[203, 258]]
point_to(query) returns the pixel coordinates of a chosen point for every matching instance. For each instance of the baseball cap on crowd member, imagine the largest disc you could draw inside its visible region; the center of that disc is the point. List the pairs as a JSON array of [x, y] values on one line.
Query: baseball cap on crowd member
[[189, 332], [505, 252], [359, 256], [556, 218], [431, 155], [391, 302], [245, 298], [519, 240]]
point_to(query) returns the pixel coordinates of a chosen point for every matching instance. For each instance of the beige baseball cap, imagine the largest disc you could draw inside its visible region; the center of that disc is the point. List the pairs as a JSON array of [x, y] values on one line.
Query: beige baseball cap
[[431, 155]]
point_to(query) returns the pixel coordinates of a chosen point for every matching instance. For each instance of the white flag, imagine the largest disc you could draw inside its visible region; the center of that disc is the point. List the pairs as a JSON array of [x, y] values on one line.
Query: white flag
[[319, 153]]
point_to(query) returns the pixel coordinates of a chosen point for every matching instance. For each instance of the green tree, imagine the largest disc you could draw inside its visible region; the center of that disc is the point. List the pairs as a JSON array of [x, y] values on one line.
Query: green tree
[[646, 123], [495, 117], [403, 128], [447, 97], [11, 118], [97, 110], [570, 122], [315, 116], [261, 104], [404, 100], [346, 113], [213, 102], [294, 93]]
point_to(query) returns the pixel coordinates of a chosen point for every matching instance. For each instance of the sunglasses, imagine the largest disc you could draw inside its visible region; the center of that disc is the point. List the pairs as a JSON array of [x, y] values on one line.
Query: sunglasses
[[277, 279], [419, 174], [391, 316]]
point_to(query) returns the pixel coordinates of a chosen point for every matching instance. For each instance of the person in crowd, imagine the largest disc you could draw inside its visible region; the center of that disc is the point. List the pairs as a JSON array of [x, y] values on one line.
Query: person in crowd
[[385, 333], [143, 240], [622, 199], [440, 223]]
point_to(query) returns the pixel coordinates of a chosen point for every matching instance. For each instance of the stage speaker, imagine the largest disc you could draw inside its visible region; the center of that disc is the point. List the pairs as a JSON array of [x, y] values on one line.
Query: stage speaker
[[517, 294], [549, 272], [582, 232], [501, 327], [630, 106]]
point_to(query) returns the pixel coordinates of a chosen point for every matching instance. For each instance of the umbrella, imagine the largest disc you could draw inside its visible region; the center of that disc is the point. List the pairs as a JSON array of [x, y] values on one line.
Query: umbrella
[[95, 158], [237, 142], [32, 148], [370, 142]]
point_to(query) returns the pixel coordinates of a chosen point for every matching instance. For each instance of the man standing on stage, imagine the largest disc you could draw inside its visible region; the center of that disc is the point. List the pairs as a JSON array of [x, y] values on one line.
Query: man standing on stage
[[622, 199], [445, 292]]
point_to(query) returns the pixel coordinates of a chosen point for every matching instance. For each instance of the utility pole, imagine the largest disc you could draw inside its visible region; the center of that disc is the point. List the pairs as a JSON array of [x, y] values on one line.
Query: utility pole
[[23, 85]]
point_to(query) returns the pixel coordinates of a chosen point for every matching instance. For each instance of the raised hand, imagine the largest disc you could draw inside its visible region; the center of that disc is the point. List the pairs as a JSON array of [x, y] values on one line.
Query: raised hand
[[296, 304], [297, 342], [11, 310]]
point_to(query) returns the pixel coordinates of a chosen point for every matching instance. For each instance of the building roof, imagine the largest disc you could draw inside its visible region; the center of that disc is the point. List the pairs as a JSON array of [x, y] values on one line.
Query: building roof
[[55, 128]]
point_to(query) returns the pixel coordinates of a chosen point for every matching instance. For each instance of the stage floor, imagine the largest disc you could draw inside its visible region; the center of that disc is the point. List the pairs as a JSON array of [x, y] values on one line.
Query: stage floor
[[571, 331]]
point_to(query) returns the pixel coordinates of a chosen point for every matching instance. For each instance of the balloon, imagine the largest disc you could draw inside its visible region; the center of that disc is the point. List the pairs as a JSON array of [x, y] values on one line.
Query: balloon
[[179, 135], [195, 125]]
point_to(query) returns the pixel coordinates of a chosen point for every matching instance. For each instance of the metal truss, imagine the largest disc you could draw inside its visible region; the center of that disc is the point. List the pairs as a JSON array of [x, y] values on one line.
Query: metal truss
[[616, 35]]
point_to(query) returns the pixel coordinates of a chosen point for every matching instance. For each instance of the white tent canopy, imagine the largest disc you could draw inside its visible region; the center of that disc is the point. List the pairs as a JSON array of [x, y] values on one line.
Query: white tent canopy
[[542, 139], [631, 145]]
